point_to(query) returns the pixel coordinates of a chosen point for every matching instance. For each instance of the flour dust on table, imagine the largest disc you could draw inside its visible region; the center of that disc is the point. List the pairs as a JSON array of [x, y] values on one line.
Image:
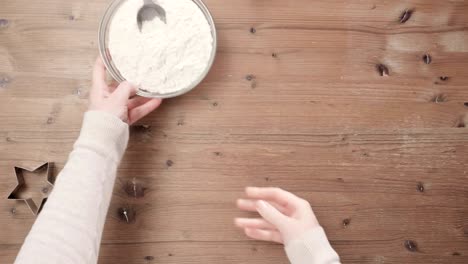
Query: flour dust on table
[[163, 57]]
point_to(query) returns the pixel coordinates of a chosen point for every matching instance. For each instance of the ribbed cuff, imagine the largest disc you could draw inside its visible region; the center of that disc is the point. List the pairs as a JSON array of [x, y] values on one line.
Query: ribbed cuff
[[312, 248], [104, 133]]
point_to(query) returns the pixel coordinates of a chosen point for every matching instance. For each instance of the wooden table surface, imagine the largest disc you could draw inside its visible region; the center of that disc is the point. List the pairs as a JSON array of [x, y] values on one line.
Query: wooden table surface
[[296, 99]]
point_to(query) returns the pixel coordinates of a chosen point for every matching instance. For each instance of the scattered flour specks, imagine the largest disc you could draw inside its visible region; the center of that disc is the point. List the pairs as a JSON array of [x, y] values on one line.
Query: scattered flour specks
[[163, 58]]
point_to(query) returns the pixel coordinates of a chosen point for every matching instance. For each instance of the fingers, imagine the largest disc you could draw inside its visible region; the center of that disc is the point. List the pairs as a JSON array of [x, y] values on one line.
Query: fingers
[[265, 235], [272, 215], [137, 101], [250, 206], [141, 111], [258, 223], [99, 78], [123, 92], [277, 195]]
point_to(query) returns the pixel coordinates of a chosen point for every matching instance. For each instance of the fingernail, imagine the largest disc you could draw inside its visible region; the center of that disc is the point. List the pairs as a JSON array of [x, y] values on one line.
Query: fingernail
[[262, 204], [250, 189]]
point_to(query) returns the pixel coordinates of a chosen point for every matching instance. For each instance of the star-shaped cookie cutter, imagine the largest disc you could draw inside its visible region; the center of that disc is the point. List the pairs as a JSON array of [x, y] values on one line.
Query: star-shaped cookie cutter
[[14, 195]]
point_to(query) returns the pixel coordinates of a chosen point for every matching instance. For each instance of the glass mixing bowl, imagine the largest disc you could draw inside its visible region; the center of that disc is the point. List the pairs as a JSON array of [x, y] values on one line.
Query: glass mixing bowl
[[114, 72]]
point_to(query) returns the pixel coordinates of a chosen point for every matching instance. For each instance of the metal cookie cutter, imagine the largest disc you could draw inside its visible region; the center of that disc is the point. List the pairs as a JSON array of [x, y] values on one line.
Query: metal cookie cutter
[[16, 193]]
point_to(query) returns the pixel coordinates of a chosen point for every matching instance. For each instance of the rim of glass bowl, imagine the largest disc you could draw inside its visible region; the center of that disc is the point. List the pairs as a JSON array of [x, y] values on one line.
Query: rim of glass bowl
[[114, 72]]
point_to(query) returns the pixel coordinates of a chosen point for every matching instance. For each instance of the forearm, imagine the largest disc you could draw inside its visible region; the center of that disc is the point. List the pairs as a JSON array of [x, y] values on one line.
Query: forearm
[[312, 248], [69, 228]]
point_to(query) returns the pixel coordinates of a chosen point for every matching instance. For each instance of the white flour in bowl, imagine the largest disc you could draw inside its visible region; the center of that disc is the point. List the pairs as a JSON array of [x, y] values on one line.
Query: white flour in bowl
[[163, 58]]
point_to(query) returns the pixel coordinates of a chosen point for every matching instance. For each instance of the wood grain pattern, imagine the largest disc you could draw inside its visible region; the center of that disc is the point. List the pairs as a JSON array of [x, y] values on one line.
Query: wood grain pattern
[[294, 100]]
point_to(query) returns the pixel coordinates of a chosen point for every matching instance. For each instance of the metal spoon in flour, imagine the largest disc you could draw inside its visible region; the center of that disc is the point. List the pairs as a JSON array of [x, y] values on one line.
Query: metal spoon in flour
[[150, 11]]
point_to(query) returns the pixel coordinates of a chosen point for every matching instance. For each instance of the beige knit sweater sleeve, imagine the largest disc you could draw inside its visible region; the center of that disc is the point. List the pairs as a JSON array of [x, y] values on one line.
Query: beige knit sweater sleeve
[[70, 226], [312, 248]]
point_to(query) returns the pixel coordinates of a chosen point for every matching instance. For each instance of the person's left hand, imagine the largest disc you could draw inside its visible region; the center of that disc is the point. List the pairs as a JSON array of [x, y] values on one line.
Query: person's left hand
[[118, 100], [284, 216]]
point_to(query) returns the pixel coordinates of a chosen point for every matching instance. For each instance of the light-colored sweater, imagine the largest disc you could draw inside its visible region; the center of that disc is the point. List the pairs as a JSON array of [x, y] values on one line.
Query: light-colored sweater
[[70, 226]]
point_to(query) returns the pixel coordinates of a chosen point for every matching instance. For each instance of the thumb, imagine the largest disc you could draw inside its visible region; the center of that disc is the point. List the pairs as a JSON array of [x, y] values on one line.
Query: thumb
[[271, 214]]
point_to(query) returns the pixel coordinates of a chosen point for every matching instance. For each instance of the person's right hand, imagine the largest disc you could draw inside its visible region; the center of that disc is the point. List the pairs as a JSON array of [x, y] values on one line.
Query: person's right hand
[[285, 217]]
